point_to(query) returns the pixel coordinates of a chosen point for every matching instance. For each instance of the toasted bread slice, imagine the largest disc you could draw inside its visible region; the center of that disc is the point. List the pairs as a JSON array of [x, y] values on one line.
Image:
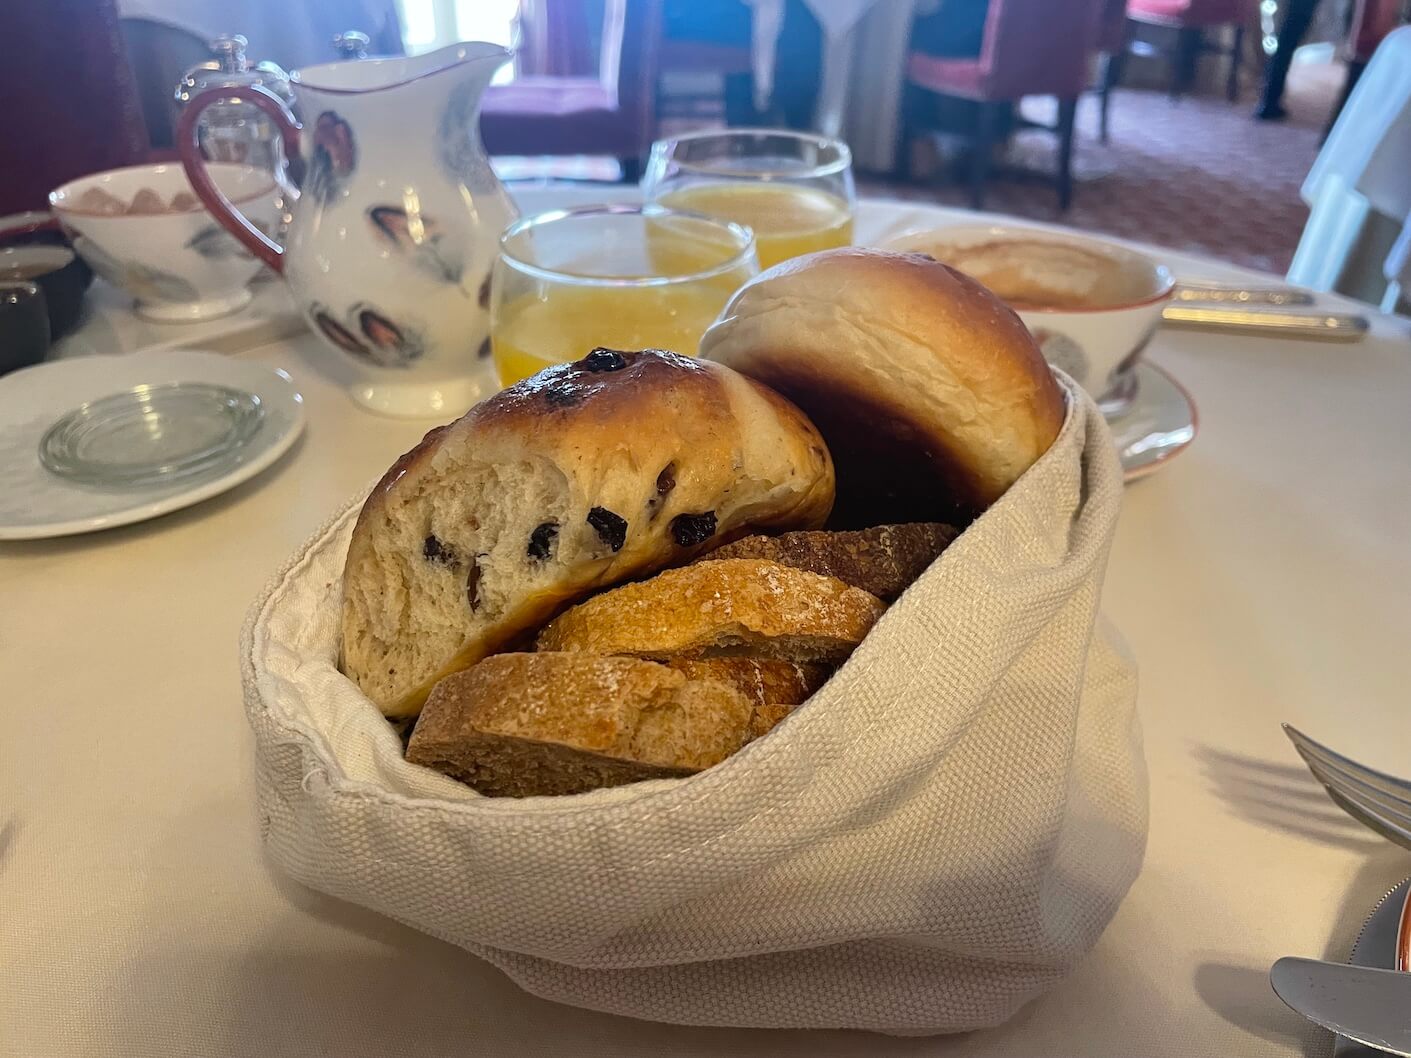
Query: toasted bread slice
[[761, 680], [773, 687], [523, 725], [712, 609], [882, 560]]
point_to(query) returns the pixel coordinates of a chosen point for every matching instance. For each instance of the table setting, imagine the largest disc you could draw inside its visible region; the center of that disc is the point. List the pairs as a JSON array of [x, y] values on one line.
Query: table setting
[[1107, 758]]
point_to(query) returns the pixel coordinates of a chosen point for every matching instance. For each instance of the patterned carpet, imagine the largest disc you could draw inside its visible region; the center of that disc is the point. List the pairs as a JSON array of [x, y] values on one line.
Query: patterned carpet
[[1198, 175]]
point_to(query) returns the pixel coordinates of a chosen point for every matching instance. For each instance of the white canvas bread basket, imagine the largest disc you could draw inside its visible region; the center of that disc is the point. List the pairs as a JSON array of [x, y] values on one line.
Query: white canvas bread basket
[[936, 837]]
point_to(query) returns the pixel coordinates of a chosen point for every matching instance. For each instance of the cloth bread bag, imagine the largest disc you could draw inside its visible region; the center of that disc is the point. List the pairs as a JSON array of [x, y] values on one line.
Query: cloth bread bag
[[936, 837]]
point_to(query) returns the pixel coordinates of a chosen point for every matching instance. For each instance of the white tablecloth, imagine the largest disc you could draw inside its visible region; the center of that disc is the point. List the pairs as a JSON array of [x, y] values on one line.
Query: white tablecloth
[[1263, 576]]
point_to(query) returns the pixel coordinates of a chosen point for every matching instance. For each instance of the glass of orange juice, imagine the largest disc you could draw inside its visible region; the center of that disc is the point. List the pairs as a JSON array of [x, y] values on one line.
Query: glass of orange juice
[[622, 277], [793, 189]]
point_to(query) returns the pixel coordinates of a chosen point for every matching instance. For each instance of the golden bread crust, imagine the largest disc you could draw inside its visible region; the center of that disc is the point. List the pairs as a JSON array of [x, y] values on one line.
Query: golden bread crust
[[539, 724], [734, 606]]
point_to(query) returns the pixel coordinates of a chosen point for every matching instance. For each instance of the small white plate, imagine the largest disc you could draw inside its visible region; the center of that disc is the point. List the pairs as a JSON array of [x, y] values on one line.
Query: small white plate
[[35, 503], [1160, 424]]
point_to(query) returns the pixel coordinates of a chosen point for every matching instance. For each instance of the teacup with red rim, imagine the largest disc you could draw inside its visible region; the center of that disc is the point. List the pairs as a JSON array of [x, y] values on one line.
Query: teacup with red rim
[[144, 230], [1091, 304]]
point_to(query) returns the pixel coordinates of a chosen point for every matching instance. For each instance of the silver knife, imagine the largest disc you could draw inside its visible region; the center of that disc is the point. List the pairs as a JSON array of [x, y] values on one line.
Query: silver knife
[[1324, 326], [1370, 1006], [1212, 293]]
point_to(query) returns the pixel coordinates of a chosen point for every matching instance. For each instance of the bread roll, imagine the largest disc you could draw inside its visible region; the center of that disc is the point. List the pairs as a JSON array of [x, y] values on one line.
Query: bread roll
[[736, 606], [931, 393], [521, 725], [582, 476]]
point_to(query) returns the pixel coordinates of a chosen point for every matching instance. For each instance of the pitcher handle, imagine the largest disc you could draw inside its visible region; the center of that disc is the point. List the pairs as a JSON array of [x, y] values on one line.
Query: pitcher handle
[[212, 197]]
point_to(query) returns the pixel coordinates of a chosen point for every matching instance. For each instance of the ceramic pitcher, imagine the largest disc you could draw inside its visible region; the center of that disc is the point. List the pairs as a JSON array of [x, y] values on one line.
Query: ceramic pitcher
[[397, 222]]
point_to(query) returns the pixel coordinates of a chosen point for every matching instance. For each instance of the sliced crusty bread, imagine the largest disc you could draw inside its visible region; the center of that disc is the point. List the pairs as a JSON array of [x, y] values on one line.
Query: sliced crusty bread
[[883, 560], [523, 725], [763, 681], [773, 687], [709, 609]]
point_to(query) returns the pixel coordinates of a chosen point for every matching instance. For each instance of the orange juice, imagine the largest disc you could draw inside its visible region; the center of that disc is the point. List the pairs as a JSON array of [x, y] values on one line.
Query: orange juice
[[566, 323], [788, 220]]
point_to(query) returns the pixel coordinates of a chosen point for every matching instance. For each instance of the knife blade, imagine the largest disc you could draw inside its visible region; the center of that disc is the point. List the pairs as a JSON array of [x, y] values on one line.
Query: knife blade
[[1374, 947], [1322, 326], [1215, 293], [1370, 1006]]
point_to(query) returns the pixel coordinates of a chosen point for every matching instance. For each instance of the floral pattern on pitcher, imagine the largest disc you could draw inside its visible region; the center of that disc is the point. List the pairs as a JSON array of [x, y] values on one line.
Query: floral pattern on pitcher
[[419, 238], [370, 336], [393, 344], [335, 156]]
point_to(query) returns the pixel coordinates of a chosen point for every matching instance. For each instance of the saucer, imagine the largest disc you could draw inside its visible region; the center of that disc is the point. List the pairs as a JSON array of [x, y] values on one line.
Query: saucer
[[1158, 426], [205, 424]]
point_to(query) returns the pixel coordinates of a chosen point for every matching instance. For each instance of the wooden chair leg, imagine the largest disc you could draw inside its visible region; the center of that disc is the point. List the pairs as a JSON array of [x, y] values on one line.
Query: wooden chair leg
[[1104, 97], [1067, 113], [1114, 65], [1232, 86], [1189, 41], [910, 121], [986, 132]]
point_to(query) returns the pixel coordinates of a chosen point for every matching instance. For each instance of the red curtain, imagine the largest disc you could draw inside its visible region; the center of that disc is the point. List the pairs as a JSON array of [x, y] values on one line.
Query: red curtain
[[70, 101]]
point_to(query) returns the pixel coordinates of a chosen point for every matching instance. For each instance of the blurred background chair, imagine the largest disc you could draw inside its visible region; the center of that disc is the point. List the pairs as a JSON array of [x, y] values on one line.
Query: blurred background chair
[[1112, 42], [292, 33], [706, 62], [159, 54], [610, 113], [1372, 22], [1029, 48], [1359, 189], [1186, 26]]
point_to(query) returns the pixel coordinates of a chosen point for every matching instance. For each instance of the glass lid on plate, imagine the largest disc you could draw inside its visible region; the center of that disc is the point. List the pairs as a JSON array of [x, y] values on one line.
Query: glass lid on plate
[[151, 434]]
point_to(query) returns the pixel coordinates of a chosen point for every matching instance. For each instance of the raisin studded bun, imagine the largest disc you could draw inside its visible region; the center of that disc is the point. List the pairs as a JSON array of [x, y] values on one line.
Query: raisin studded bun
[[582, 476], [931, 393]]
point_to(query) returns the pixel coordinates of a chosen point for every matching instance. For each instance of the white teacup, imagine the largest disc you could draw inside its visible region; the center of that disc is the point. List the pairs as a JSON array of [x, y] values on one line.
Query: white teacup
[[1091, 304], [167, 252]]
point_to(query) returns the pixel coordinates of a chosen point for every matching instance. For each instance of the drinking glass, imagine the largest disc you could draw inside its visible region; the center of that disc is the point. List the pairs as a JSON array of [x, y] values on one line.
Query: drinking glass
[[621, 277], [794, 189]]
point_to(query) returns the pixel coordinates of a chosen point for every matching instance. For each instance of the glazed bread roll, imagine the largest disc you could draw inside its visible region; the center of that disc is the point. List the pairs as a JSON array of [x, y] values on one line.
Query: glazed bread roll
[[584, 475], [931, 393]]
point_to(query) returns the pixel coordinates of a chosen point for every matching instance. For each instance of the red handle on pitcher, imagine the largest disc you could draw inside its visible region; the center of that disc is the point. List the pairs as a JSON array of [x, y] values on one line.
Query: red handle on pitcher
[[188, 141]]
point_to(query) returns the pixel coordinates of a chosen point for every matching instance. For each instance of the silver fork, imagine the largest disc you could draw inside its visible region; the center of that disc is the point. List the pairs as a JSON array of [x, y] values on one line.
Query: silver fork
[[1378, 801]]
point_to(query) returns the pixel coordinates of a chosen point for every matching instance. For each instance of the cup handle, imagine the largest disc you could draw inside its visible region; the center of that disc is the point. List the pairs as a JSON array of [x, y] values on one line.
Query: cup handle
[[189, 145]]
